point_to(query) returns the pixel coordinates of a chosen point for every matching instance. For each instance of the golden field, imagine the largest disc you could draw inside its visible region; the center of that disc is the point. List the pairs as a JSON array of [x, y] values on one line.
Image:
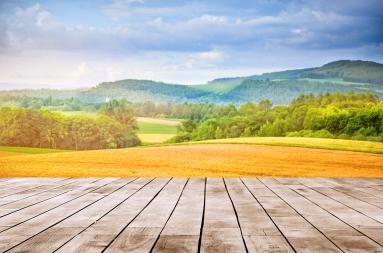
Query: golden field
[[199, 160], [166, 122], [322, 143], [6, 154], [154, 138]]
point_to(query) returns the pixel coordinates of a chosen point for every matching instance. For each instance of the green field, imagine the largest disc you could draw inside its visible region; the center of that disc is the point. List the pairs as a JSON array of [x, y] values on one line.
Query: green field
[[26, 150], [321, 143], [154, 130]]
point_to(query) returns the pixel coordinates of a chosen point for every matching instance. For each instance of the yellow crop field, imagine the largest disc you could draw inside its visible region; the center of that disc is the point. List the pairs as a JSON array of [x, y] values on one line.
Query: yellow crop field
[[334, 144], [6, 154], [199, 160], [166, 122], [154, 138]]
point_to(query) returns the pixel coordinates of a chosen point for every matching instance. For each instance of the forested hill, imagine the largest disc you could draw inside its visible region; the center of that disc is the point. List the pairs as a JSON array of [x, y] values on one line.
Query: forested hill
[[279, 87], [345, 70], [145, 90]]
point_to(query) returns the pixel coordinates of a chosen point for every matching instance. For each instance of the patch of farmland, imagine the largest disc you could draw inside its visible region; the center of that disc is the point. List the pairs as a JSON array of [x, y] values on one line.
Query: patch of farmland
[[200, 160]]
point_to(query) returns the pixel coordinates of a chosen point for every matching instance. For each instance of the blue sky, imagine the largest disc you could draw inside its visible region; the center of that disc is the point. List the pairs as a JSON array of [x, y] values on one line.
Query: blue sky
[[81, 43]]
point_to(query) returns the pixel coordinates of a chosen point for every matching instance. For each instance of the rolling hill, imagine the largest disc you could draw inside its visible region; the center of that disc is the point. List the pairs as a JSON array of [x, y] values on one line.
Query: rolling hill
[[279, 87], [201, 160], [345, 70]]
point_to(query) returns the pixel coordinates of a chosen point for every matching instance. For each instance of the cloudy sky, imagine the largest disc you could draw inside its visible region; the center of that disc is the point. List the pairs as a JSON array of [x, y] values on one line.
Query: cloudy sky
[[81, 43]]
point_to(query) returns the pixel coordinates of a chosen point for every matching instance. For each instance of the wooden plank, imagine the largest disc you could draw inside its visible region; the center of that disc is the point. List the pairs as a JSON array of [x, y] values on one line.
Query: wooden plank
[[16, 235], [367, 209], [356, 184], [377, 187], [302, 235], [57, 235], [221, 232], [249, 215], [28, 184], [334, 229], [142, 233], [12, 182], [357, 220], [16, 205], [360, 195], [100, 234], [11, 217], [371, 191], [317, 182], [259, 231], [182, 231]]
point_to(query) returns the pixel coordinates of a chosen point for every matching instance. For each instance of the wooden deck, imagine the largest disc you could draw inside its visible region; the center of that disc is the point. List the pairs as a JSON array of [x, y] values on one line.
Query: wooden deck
[[191, 215]]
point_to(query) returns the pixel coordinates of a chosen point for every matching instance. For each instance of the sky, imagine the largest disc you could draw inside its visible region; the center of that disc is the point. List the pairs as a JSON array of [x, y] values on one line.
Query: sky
[[66, 44]]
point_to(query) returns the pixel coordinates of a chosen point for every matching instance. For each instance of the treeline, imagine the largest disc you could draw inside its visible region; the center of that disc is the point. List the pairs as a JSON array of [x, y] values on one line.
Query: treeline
[[49, 103], [351, 115], [180, 111], [147, 109], [114, 128]]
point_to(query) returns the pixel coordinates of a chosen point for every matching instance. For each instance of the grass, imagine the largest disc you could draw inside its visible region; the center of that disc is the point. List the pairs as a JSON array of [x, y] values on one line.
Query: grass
[[154, 130], [321, 143], [27, 150], [200, 160]]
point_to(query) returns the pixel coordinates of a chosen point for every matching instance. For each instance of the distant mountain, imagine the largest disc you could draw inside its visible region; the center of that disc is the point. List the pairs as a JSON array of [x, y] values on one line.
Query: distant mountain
[[349, 71], [145, 90], [345, 70], [279, 87]]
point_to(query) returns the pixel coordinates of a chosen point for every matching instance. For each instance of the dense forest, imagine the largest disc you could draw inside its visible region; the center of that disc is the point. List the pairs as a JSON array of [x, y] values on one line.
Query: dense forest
[[113, 127], [351, 115]]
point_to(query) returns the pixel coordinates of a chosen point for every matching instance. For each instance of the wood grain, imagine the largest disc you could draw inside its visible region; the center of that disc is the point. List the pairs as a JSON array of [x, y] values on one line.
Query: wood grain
[[46, 215]]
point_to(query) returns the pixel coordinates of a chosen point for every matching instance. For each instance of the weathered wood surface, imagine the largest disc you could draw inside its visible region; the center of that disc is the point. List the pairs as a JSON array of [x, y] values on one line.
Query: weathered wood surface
[[191, 215]]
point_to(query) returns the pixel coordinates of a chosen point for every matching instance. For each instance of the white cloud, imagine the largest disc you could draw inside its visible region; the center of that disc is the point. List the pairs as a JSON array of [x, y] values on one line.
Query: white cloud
[[178, 42], [210, 55]]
